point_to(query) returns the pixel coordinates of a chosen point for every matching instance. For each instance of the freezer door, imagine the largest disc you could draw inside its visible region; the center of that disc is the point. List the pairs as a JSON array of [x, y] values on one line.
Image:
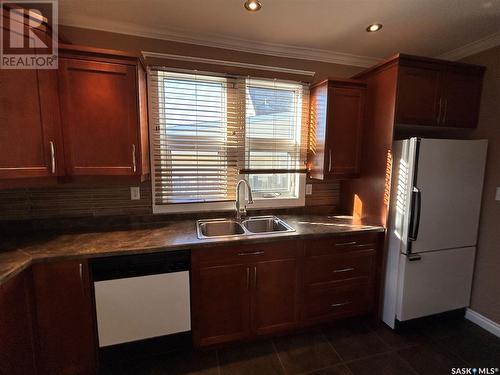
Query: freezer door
[[437, 282], [449, 177]]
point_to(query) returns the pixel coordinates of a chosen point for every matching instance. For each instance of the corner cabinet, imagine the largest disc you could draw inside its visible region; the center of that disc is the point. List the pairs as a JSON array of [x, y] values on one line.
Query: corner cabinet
[[337, 116], [243, 291], [438, 93], [104, 133]]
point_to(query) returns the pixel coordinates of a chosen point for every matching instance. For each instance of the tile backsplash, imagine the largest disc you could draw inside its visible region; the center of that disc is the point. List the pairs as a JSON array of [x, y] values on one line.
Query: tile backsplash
[[73, 201], [111, 200]]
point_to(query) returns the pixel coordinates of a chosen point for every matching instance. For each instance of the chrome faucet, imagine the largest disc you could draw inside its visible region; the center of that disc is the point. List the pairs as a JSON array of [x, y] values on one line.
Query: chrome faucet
[[241, 209]]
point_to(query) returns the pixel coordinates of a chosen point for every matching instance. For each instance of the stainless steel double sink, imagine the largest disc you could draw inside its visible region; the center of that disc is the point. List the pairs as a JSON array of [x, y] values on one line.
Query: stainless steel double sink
[[257, 225]]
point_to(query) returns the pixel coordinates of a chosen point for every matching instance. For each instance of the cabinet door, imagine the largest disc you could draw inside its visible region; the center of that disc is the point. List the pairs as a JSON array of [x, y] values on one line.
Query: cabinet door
[[317, 152], [221, 303], [29, 124], [461, 96], [17, 350], [65, 318], [417, 96], [345, 121], [275, 295], [99, 117]]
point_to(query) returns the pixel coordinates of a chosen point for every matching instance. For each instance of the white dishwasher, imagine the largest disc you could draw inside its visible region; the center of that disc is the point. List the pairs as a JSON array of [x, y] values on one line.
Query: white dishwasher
[[141, 296]]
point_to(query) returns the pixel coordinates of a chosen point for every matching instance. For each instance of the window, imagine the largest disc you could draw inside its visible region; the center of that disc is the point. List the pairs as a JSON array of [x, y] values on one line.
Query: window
[[207, 132], [274, 138]]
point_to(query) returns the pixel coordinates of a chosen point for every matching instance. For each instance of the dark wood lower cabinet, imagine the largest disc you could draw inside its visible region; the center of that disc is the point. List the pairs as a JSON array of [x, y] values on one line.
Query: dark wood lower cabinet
[[221, 305], [243, 291], [275, 295], [64, 318], [17, 341]]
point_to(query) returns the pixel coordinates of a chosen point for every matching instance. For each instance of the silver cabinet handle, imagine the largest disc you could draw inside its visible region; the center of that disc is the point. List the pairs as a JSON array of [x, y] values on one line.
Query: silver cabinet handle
[[81, 272], [346, 243], [343, 270], [248, 278], [329, 160], [340, 304], [439, 110], [52, 157], [134, 165], [255, 277], [252, 253], [445, 110]]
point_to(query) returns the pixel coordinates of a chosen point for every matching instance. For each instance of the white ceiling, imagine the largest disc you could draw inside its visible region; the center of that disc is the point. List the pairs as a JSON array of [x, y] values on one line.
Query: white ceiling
[[327, 30]]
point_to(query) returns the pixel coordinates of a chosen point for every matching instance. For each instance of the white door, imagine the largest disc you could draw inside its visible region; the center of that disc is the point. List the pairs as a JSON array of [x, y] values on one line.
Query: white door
[[450, 177], [440, 281]]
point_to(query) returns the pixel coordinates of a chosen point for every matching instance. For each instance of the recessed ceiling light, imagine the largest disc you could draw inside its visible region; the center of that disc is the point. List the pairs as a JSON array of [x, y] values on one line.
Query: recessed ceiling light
[[253, 5], [374, 27]]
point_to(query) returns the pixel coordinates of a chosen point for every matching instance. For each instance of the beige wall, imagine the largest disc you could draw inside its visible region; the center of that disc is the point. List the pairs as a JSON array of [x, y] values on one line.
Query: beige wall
[[104, 39], [486, 286]]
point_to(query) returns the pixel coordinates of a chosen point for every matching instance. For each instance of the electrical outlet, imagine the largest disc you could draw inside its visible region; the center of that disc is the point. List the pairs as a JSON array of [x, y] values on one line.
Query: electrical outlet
[[135, 193], [309, 189], [497, 196]]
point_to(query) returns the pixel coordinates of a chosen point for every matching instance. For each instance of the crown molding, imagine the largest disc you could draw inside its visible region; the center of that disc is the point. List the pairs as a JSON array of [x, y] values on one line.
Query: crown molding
[[219, 41], [237, 64], [480, 45]]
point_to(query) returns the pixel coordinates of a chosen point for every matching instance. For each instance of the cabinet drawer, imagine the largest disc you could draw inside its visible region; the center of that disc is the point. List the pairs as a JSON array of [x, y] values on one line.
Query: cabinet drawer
[[238, 253], [341, 244], [337, 267], [339, 301]]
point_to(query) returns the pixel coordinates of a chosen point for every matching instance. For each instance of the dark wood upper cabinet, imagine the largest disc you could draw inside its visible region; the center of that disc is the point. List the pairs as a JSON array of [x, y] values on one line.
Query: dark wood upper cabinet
[[337, 114], [461, 97], [17, 342], [30, 137], [30, 140], [418, 96], [65, 318], [438, 93], [86, 121], [100, 117]]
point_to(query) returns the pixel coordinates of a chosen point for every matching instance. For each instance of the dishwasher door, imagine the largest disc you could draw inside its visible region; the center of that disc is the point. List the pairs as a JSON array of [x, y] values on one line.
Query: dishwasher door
[[141, 297]]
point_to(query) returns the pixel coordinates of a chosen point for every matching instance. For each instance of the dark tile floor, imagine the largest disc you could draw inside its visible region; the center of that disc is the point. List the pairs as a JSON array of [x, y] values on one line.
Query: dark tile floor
[[349, 347]]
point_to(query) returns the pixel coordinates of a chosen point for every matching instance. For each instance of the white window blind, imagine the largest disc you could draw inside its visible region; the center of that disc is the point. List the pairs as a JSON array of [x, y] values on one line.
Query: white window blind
[[209, 131], [275, 136]]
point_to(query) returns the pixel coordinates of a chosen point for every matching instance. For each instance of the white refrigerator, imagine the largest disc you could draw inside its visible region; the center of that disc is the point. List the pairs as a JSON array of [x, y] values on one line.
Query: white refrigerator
[[433, 224]]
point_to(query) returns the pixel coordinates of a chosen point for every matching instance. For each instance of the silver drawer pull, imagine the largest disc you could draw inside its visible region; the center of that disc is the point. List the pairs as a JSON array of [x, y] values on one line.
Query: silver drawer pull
[[346, 243], [253, 253], [340, 304], [343, 270], [134, 163], [52, 158]]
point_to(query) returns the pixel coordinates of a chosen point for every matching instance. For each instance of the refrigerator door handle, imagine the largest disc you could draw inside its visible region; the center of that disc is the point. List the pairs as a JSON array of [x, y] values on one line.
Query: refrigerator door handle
[[415, 213]]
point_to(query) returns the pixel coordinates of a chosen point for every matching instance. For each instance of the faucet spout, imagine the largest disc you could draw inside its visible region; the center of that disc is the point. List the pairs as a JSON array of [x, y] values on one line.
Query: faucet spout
[[241, 209]]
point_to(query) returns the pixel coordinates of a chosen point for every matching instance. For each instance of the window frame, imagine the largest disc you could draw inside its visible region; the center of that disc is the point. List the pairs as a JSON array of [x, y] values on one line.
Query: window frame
[[187, 207]]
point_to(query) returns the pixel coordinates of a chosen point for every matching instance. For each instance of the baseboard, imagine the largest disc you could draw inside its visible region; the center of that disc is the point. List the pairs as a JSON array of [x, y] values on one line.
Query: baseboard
[[483, 322]]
